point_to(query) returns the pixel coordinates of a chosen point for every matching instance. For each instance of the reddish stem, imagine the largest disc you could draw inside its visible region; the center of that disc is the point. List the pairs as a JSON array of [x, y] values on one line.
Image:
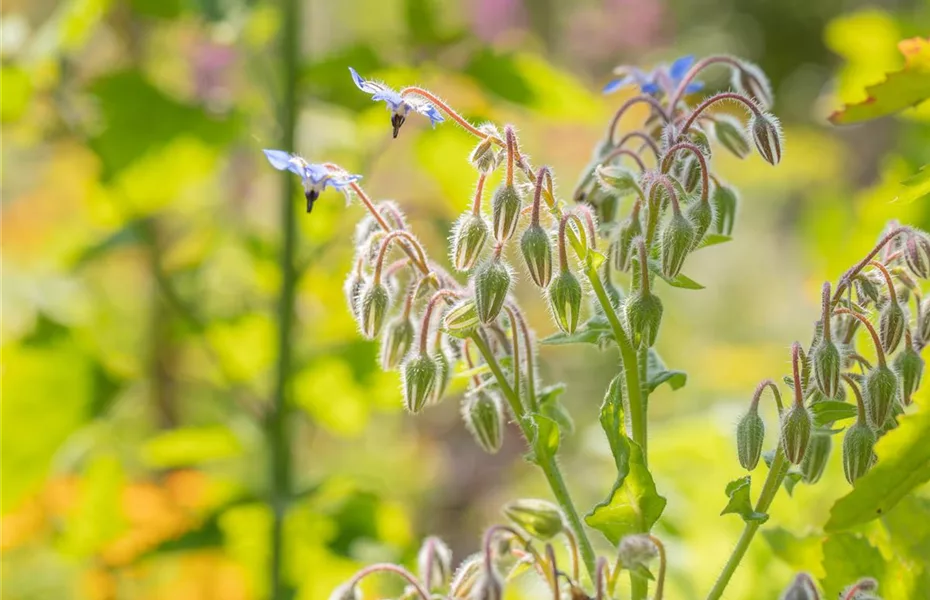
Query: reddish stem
[[868, 325], [647, 141], [795, 367], [541, 175], [848, 276], [428, 315], [702, 161], [892, 295], [446, 109], [719, 98], [697, 68], [511, 143], [385, 246], [766, 383], [479, 194], [624, 152], [825, 306], [655, 104]]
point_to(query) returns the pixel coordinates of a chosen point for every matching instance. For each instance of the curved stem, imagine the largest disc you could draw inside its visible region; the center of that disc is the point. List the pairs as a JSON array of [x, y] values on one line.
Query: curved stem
[[479, 194], [624, 152], [515, 335], [563, 227], [862, 417], [655, 104], [697, 68], [511, 143], [702, 161], [868, 325], [647, 141], [796, 372], [528, 348], [889, 282], [643, 265], [446, 109], [660, 579], [749, 104], [386, 244], [428, 315], [390, 568], [848, 276], [767, 383], [541, 175], [573, 547], [825, 317]]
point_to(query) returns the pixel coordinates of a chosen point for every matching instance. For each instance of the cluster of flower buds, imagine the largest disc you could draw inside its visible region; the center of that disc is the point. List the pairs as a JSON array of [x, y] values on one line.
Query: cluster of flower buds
[[871, 298], [804, 588]]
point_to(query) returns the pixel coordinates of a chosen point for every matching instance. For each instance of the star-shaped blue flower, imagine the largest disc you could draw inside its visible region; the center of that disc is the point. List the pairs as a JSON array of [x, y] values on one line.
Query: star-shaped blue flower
[[664, 78], [397, 104], [314, 177]]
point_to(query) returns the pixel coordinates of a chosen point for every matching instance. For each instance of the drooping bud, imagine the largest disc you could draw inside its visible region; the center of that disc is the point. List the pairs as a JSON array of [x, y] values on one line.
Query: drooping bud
[[372, 306], [861, 590], [636, 550], [643, 316], [565, 300], [868, 290], [505, 210], [750, 79], [689, 173], [766, 134], [858, 454], [827, 366], [488, 586], [466, 576], [802, 588], [796, 428], [816, 457], [630, 229], [701, 215], [462, 319], [725, 201], [909, 366], [677, 240], [750, 434], [434, 563], [731, 134], [541, 519], [923, 322], [483, 414], [468, 238], [346, 592], [537, 252], [443, 376], [396, 342], [420, 373], [891, 325], [492, 284], [485, 156], [617, 180], [881, 388], [917, 254]]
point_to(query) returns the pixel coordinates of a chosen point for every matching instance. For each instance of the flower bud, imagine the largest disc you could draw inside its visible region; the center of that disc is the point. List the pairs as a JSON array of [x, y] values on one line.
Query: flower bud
[[352, 288], [802, 588], [724, 200], [766, 134], [443, 376], [677, 240], [917, 254], [881, 387], [462, 319], [434, 563], [891, 325], [488, 586], [468, 238], [565, 300], [701, 215], [796, 428], [827, 366], [689, 173], [750, 434], [857, 451], [396, 342], [372, 306], [636, 550], [485, 156], [505, 210], [816, 457], [699, 138], [731, 134], [483, 413], [346, 592], [749, 79], [909, 367], [868, 290], [541, 519], [617, 180], [492, 283], [861, 590], [420, 373], [643, 317], [537, 252], [630, 229], [466, 576], [923, 321]]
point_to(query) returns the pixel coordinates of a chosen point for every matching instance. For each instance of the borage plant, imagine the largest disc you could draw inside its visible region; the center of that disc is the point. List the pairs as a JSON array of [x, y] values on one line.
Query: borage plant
[[431, 324]]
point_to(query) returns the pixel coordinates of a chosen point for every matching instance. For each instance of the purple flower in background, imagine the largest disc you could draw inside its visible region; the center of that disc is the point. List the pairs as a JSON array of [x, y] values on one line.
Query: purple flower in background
[[314, 177], [397, 104], [664, 78]]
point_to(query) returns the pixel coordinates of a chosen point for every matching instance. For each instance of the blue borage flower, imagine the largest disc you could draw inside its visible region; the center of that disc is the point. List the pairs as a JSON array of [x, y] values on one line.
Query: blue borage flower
[[314, 177], [397, 104], [664, 78]]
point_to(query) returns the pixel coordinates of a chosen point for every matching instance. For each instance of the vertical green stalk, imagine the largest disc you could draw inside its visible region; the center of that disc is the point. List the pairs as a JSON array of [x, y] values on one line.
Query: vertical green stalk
[[277, 430], [772, 484]]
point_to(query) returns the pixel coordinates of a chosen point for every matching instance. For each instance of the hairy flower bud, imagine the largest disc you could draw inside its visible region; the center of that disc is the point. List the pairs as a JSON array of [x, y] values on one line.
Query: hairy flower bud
[[749, 79], [636, 550], [827, 366], [630, 229], [909, 367], [434, 563], [373, 304], [488, 586], [537, 252], [677, 240], [485, 156], [443, 376], [483, 413], [857, 451], [643, 316], [396, 342], [466, 576], [505, 210], [541, 519], [923, 322], [565, 300], [462, 319], [419, 373], [617, 180], [346, 592], [766, 134], [701, 215], [731, 134], [725, 201], [750, 434], [796, 428], [816, 457], [917, 254], [492, 284], [352, 289], [891, 325], [468, 238], [867, 290], [881, 387], [802, 588]]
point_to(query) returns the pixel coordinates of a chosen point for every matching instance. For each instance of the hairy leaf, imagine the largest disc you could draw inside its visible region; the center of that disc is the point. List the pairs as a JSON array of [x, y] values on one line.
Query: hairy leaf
[[828, 411], [657, 373], [679, 281], [741, 501], [545, 439]]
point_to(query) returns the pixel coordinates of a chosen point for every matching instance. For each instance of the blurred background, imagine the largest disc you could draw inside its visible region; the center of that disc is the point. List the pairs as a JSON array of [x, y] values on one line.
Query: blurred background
[[141, 233]]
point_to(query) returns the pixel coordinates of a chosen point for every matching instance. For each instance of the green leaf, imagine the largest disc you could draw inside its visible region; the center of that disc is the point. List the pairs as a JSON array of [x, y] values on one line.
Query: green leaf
[[680, 281], [900, 90], [633, 504], [657, 373], [792, 477], [592, 331], [712, 239], [550, 405], [903, 464], [828, 411], [545, 439], [848, 557], [915, 187], [612, 422], [741, 502]]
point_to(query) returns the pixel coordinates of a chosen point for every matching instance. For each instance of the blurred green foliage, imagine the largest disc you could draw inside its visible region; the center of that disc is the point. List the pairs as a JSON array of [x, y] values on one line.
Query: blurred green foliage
[[140, 278]]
